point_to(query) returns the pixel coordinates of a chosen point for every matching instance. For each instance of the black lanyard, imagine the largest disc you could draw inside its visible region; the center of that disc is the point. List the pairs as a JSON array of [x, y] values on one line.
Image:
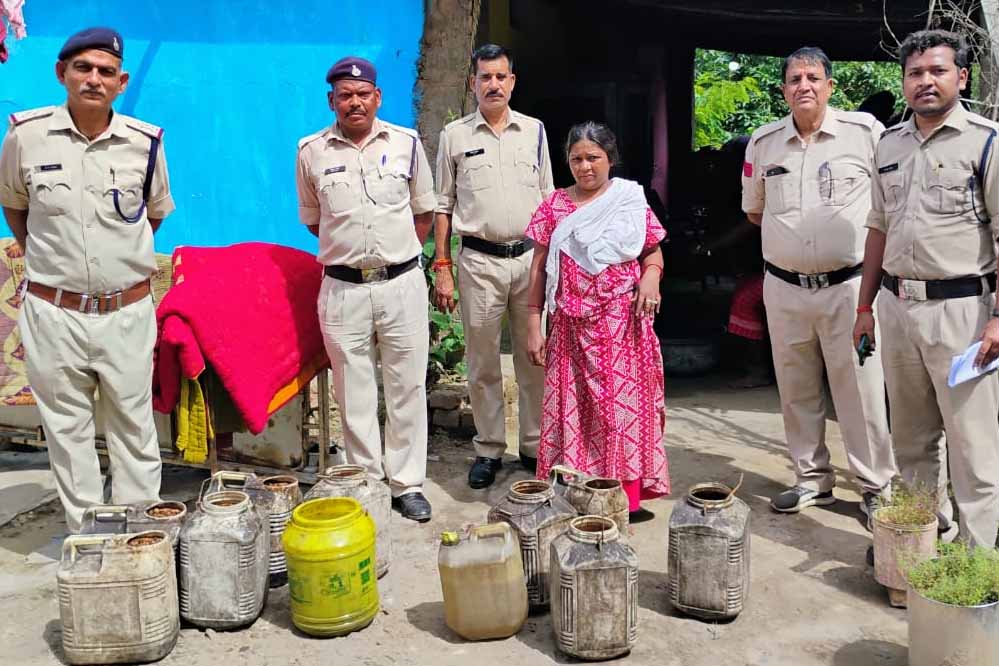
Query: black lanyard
[[154, 146]]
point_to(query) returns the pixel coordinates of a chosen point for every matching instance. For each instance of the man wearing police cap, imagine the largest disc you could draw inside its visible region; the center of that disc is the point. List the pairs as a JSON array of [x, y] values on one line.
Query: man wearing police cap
[[83, 188], [365, 189]]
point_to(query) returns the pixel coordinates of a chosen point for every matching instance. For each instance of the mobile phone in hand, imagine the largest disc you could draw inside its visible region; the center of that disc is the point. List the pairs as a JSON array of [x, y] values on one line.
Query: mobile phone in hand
[[864, 349]]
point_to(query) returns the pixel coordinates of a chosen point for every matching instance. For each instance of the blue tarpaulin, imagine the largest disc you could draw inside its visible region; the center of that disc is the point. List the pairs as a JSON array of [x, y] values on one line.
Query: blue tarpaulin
[[235, 84]]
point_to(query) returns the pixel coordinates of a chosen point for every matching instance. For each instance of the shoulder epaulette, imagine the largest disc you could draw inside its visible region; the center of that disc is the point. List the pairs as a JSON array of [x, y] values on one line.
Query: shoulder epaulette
[[890, 130], [769, 128], [981, 121], [460, 121], [305, 140], [150, 130], [857, 118], [402, 130], [22, 117]]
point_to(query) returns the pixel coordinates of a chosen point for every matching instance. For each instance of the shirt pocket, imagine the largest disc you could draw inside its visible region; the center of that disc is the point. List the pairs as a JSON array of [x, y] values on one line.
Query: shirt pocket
[[53, 192], [844, 183], [781, 192], [948, 193], [391, 185], [527, 167], [893, 188], [474, 173], [129, 188], [336, 192]]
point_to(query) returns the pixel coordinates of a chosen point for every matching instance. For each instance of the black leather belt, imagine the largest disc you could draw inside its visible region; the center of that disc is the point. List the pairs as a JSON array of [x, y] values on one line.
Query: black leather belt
[[925, 290], [816, 281], [505, 250], [362, 275]]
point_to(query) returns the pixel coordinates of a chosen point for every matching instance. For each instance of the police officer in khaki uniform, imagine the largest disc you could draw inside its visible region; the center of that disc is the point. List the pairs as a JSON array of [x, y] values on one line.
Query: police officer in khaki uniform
[[493, 171], [807, 180], [83, 189], [932, 230], [366, 190]]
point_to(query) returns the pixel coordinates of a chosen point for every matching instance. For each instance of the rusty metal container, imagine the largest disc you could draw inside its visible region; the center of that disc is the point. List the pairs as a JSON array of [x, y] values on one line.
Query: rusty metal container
[[594, 590], [374, 496], [117, 598], [592, 496], [168, 516], [709, 553], [224, 550], [538, 516], [895, 544]]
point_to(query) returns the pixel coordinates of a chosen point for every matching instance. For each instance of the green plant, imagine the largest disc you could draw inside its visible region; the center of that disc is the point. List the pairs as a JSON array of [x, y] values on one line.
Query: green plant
[[910, 505], [960, 576], [732, 100], [447, 336]]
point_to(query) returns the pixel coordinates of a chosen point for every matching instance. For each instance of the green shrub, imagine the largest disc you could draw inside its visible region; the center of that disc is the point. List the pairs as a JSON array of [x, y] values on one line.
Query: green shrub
[[959, 576], [910, 505]]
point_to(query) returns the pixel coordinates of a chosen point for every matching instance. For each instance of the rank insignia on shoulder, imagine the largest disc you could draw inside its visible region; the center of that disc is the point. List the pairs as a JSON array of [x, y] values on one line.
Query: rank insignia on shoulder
[[335, 169], [48, 167], [888, 168], [473, 153]]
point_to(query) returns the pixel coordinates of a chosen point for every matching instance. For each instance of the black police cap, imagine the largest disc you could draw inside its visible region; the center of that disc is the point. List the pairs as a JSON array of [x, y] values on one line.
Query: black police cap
[[354, 68], [101, 39]]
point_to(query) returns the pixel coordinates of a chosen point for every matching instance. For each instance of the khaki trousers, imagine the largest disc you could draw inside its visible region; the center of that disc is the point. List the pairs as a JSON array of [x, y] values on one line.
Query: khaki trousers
[[811, 330], [69, 356], [919, 339], [361, 322], [489, 287]]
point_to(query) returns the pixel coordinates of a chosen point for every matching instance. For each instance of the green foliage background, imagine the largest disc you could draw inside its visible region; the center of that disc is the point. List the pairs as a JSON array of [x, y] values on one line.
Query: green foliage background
[[727, 104]]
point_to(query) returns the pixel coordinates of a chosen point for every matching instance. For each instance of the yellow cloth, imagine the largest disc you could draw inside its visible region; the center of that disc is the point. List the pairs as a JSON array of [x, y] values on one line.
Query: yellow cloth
[[193, 427]]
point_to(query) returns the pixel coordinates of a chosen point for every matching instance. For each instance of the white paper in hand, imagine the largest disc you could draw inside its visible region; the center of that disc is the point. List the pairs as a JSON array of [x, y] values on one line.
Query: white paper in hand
[[962, 367]]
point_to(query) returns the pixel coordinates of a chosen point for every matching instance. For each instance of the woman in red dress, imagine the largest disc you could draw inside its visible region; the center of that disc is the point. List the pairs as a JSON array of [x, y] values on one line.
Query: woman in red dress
[[596, 268]]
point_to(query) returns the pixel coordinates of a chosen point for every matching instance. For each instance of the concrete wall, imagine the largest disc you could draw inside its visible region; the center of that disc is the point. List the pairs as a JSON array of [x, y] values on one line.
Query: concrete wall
[[235, 83]]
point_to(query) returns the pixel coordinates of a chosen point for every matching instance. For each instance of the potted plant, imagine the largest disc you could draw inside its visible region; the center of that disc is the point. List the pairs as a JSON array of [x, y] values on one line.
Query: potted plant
[[954, 608], [905, 534]]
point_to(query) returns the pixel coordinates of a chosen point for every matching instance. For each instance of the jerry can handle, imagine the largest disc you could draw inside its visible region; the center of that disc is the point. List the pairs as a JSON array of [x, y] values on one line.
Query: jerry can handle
[[227, 475], [107, 513], [71, 546], [489, 531], [556, 473]]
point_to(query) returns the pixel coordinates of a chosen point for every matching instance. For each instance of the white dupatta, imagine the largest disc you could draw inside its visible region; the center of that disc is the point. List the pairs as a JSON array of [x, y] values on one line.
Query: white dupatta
[[609, 230]]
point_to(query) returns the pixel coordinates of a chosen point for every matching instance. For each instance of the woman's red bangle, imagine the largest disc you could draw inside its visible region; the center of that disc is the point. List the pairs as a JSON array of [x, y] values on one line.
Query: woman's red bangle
[[532, 306], [861, 309]]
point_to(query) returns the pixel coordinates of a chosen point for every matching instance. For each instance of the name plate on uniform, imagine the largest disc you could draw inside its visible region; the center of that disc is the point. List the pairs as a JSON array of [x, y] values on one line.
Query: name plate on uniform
[[911, 290]]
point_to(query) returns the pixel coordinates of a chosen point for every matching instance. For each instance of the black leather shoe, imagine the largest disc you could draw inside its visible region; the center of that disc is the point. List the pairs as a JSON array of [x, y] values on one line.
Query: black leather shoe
[[529, 463], [413, 506], [483, 472]]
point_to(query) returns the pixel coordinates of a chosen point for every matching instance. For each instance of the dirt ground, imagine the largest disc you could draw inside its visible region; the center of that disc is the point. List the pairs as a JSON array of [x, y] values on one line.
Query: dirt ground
[[813, 599]]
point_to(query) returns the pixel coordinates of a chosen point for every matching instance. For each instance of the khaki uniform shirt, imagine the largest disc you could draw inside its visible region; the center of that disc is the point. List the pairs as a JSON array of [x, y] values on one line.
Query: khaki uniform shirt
[[364, 197], [925, 195], [492, 184], [77, 240], [814, 196]]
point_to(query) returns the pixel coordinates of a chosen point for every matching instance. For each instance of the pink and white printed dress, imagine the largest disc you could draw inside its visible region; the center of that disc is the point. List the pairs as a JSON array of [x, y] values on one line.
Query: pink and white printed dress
[[604, 406]]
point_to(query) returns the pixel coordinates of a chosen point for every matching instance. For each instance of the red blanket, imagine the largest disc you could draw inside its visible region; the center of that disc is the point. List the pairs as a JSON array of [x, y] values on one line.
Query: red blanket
[[250, 311]]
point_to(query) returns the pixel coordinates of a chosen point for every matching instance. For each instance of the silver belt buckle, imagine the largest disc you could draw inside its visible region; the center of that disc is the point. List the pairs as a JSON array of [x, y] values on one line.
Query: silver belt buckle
[[94, 304], [818, 281], [374, 274], [911, 290]]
